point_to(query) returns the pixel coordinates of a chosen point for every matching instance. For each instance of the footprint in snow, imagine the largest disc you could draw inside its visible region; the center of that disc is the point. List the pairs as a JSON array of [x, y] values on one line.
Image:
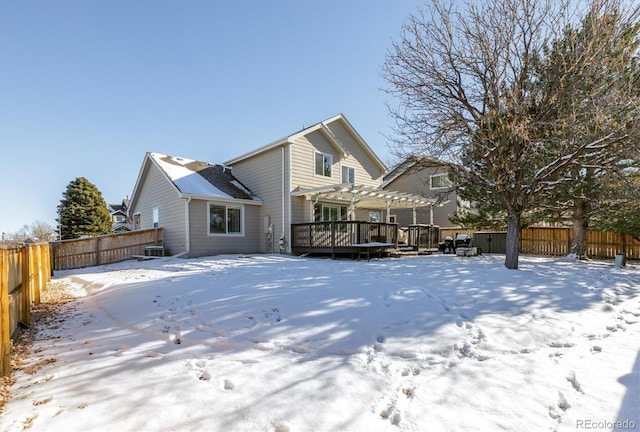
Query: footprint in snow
[[205, 376], [226, 385], [571, 377]]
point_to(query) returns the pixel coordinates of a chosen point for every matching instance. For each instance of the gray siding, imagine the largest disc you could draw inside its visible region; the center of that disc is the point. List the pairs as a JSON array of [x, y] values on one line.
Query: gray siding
[[417, 181], [203, 244], [263, 176], [303, 159], [368, 172], [156, 191], [263, 173]]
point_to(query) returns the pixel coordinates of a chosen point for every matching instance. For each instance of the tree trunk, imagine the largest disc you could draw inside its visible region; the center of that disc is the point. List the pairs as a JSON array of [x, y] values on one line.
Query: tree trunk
[[513, 241], [580, 220]]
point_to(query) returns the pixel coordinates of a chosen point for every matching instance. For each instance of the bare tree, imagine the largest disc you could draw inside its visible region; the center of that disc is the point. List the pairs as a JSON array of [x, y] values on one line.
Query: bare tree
[[38, 230], [42, 230], [471, 95]]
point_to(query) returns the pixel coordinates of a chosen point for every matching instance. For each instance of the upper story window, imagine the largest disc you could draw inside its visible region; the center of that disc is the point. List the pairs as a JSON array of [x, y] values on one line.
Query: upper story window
[[439, 181], [323, 164], [225, 220], [348, 175]]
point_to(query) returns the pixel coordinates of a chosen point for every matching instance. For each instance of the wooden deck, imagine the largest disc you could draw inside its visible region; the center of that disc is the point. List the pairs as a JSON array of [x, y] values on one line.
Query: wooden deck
[[344, 238]]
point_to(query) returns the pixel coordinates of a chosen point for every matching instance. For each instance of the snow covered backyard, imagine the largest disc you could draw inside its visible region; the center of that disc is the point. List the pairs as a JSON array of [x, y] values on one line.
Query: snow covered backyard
[[277, 343]]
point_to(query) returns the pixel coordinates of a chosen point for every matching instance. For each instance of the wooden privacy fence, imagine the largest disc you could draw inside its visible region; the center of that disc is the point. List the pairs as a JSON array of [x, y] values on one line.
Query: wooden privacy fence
[[557, 242], [106, 249], [24, 273]]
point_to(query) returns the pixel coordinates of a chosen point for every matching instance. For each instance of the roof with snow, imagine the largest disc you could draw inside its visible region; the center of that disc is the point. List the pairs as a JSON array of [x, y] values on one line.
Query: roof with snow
[[202, 179]]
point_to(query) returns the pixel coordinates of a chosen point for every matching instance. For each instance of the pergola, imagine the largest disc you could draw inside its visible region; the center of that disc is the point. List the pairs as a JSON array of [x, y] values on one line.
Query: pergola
[[368, 197]]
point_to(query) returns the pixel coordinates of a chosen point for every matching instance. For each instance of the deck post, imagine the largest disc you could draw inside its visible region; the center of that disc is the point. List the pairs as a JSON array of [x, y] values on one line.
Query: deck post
[[333, 240]]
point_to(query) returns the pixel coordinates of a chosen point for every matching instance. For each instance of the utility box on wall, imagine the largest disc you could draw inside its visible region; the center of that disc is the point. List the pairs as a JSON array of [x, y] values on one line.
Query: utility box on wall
[[491, 242]]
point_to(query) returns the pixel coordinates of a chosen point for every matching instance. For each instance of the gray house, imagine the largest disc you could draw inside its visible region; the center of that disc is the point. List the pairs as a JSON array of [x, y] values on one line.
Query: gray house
[[302, 183], [325, 172], [202, 208], [428, 178]]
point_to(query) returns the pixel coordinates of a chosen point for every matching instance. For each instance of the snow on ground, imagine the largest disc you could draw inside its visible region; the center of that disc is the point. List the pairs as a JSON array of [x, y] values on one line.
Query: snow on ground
[[277, 343]]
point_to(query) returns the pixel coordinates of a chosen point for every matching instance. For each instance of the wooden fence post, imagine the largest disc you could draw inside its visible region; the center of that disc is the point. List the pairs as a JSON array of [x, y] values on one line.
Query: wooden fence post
[[97, 262], [34, 273], [5, 330], [26, 286]]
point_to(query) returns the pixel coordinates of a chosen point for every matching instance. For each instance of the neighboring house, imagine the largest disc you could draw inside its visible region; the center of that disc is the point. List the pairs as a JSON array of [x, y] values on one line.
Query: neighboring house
[[428, 178], [119, 217], [202, 208], [325, 172]]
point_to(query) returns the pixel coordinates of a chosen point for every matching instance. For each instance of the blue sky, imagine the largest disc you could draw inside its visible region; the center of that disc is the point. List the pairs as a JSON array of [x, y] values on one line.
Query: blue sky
[[87, 87]]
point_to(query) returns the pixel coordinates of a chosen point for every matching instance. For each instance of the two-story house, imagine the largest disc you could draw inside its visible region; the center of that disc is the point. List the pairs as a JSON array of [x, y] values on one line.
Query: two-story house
[[325, 172]]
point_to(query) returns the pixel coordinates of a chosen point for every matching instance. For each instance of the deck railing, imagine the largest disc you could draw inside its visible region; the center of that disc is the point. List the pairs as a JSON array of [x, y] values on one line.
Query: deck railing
[[423, 237], [329, 236]]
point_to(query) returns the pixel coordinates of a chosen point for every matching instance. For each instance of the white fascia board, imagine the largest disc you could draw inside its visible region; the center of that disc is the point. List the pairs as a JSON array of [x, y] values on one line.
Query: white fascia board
[[257, 151], [148, 159], [221, 199]]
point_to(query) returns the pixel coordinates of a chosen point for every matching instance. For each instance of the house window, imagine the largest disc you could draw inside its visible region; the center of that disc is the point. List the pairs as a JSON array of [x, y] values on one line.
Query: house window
[[137, 223], [327, 212], [156, 218], [348, 175], [118, 218], [323, 164], [374, 217], [439, 181], [225, 220], [392, 218]]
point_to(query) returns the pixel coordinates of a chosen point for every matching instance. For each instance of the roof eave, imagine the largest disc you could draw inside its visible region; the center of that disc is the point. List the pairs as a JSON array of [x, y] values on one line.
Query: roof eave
[[221, 199], [258, 151]]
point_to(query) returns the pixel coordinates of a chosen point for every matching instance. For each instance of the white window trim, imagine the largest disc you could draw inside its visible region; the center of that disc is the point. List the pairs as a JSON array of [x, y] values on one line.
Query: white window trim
[[439, 187], [348, 168], [324, 155], [226, 207]]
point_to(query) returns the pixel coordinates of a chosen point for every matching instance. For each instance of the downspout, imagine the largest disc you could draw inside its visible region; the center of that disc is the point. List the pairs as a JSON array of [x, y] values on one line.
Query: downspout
[[282, 241], [289, 193], [187, 242]]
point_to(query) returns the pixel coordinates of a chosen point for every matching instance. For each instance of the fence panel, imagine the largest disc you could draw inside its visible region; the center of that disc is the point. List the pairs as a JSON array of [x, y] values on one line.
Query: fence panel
[[24, 273], [106, 249], [557, 242]]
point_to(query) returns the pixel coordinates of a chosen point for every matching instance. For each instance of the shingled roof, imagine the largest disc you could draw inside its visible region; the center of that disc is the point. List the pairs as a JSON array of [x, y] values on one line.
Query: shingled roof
[[202, 179]]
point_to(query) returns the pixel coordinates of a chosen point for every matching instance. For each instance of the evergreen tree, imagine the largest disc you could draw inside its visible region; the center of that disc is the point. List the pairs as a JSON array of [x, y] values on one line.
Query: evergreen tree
[[593, 72], [622, 204], [83, 211], [478, 90]]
